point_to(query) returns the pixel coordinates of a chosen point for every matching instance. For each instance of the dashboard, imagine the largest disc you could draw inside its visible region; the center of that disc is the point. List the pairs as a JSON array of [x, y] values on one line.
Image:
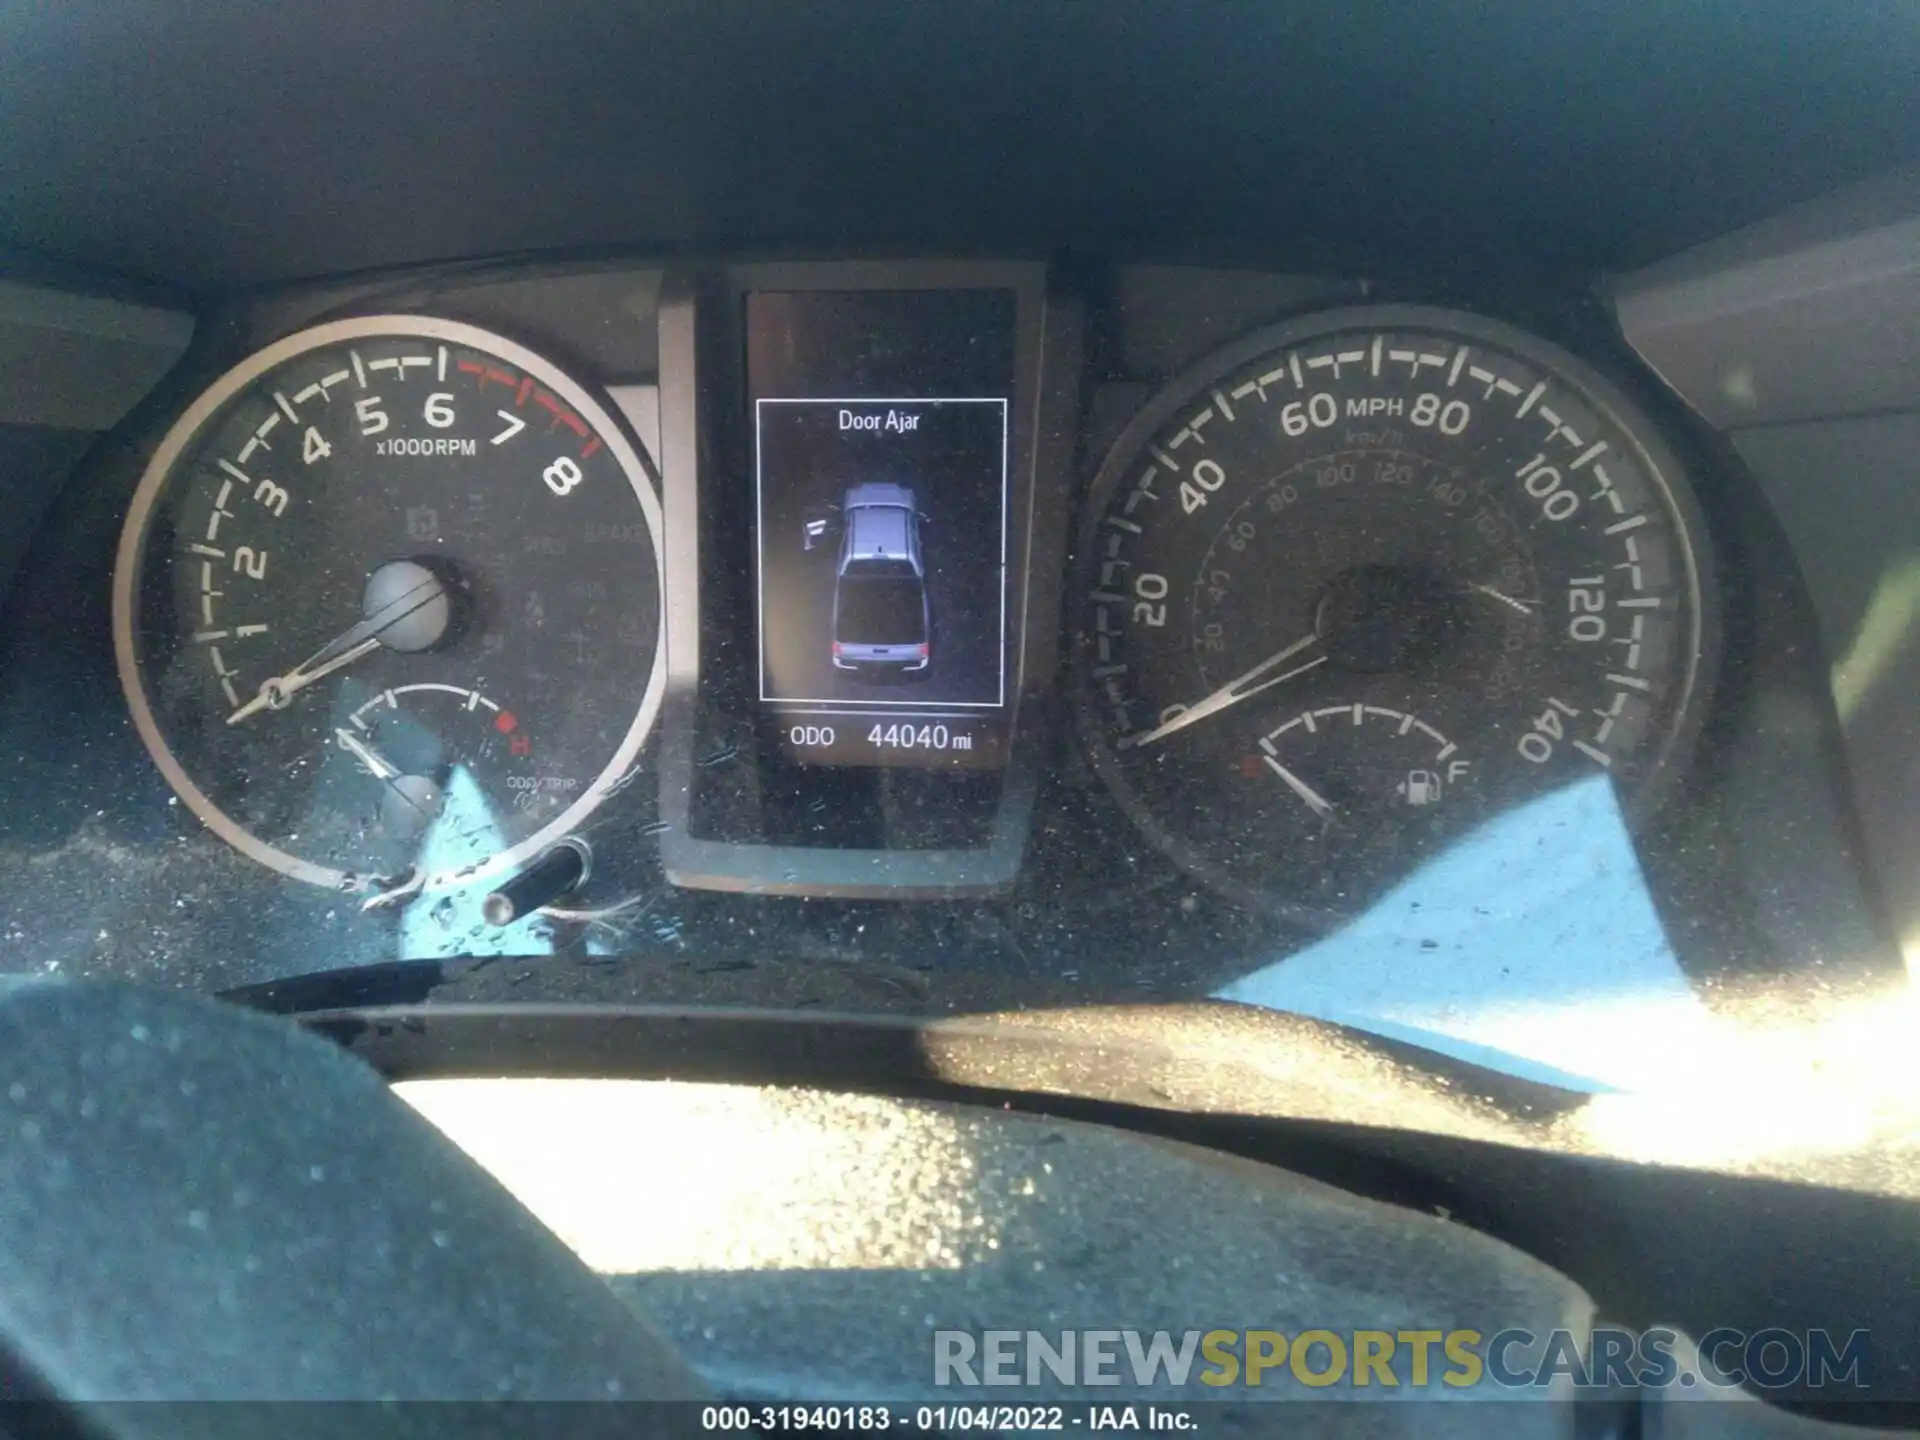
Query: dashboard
[[973, 584]]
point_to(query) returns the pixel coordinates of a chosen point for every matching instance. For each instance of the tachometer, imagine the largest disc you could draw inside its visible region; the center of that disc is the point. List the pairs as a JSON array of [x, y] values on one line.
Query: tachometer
[[387, 604], [1361, 582]]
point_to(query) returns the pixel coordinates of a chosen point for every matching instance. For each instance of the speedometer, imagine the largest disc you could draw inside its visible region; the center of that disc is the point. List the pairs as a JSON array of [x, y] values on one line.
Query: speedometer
[[1360, 583], [387, 604]]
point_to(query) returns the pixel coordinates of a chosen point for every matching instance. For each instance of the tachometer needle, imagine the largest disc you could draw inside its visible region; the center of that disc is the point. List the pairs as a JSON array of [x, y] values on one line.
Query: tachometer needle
[[275, 693], [358, 641], [1231, 693], [1316, 802]]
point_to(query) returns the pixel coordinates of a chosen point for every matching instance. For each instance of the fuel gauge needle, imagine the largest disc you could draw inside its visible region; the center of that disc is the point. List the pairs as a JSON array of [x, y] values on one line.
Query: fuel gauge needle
[[1315, 801]]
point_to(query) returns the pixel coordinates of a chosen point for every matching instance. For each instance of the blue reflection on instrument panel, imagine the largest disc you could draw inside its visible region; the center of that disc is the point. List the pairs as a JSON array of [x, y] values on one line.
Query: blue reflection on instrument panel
[[1531, 946], [464, 828]]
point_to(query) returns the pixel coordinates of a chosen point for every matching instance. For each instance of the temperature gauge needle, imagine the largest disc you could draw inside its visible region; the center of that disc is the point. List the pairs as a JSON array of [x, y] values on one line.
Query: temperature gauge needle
[[1316, 802], [377, 764], [412, 803]]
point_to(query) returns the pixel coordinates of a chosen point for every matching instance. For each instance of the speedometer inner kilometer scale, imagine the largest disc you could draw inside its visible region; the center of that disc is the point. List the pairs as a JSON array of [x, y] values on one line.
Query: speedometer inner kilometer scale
[[387, 604], [1364, 582]]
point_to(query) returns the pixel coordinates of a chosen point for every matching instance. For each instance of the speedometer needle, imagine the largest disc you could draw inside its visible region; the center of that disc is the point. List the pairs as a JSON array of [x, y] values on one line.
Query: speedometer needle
[[360, 640], [1231, 693]]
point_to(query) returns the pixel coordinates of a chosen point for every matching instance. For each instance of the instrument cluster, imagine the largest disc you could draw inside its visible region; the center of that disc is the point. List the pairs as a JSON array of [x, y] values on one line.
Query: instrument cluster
[[596, 609]]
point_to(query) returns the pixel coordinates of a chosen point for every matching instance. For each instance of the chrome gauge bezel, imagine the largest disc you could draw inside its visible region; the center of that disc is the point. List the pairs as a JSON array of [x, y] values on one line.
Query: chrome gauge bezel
[[177, 443]]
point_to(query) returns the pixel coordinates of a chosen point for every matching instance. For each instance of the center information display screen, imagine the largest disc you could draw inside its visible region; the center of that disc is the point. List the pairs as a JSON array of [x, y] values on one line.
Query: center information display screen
[[882, 425]]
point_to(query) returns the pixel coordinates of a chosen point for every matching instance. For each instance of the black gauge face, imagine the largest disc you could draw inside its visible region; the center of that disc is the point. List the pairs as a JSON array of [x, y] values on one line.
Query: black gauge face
[[1366, 581], [387, 605]]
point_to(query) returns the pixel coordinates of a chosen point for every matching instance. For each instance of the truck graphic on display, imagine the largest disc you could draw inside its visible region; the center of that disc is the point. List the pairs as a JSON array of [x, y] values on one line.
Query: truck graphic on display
[[880, 615]]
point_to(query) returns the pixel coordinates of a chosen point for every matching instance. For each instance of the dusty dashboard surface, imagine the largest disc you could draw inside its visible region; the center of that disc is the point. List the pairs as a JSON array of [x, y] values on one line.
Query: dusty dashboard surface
[[1017, 632]]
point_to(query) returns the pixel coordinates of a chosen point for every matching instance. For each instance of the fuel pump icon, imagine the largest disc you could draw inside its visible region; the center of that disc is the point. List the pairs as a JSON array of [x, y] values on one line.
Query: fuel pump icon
[[1421, 787], [1428, 787]]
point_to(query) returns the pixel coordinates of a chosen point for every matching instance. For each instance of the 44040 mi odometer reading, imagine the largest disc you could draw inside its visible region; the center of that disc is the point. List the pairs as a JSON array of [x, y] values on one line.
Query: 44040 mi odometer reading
[[1362, 582], [870, 739]]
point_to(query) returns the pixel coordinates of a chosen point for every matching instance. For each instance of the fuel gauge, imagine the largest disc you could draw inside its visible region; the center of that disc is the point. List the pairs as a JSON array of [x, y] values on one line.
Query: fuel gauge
[[1360, 785]]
